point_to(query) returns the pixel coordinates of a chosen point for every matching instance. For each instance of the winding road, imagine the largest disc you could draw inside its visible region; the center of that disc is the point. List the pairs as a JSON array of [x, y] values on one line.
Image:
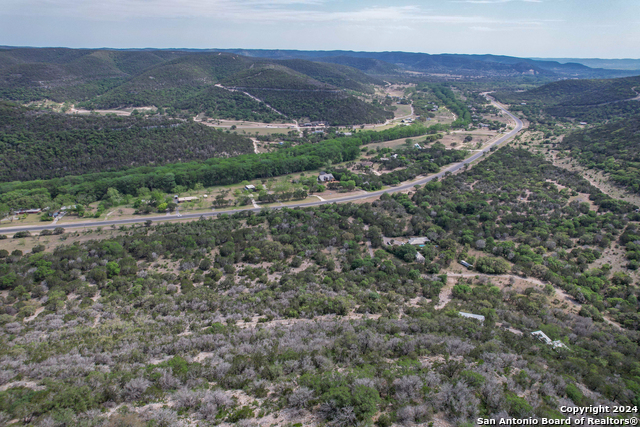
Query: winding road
[[451, 169]]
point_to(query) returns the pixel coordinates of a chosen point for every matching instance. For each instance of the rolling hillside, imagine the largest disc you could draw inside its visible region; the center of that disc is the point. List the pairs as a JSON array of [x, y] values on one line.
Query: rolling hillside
[[367, 65], [460, 64], [613, 148], [186, 81], [189, 84], [70, 74], [337, 74], [40, 145], [589, 100]]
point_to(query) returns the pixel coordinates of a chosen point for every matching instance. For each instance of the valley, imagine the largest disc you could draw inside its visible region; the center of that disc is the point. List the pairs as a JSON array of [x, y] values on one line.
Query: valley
[[243, 237]]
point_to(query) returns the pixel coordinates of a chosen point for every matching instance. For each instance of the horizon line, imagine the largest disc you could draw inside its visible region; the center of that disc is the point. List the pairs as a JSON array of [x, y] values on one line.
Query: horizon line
[[309, 50]]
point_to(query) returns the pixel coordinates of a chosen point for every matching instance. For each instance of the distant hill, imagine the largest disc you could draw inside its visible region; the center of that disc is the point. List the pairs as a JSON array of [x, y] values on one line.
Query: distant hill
[[38, 144], [613, 148], [266, 85], [61, 74], [197, 82], [336, 74], [460, 64], [610, 64], [367, 65], [588, 100]]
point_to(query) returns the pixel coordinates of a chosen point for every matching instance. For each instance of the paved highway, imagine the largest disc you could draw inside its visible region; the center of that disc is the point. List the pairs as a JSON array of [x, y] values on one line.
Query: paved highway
[[452, 168]]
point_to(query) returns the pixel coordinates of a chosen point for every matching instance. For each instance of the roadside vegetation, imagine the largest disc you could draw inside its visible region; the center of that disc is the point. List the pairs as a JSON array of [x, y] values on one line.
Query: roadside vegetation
[[110, 187]]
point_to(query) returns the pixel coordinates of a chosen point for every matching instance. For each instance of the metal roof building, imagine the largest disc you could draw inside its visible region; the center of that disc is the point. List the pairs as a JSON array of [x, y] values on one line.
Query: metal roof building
[[472, 316]]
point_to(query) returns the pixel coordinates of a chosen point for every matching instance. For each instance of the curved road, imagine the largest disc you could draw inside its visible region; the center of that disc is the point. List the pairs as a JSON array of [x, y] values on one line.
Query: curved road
[[452, 168]]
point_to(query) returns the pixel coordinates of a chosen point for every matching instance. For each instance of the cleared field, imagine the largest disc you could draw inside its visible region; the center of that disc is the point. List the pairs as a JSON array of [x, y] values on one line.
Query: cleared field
[[396, 143], [403, 110], [262, 131], [457, 139]]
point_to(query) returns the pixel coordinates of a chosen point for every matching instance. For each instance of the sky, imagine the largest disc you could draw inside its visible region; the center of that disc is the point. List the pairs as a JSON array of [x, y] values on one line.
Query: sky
[[525, 28]]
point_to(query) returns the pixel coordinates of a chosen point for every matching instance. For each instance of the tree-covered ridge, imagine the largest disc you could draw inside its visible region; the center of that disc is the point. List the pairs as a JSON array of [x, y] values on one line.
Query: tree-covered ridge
[[103, 79], [335, 108], [339, 75], [276, 77], [578, 92], [590, 100], [173, 82], [368, 65], [220, 103], [613, 148], [292, 311], [471, 66], [187, 84], [42, 145], [70, 74]]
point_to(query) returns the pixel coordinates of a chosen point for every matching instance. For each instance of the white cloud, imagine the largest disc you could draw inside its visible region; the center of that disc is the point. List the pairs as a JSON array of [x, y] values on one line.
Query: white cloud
[[253, 11], [484, 29], [496, 1]]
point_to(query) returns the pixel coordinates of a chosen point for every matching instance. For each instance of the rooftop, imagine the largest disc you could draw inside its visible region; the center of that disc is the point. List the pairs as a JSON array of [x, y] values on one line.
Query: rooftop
[[419, 241], [472, 316]]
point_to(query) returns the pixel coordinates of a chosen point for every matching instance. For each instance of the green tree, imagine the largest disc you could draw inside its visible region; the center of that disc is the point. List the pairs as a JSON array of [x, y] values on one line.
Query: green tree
[[113, 269]]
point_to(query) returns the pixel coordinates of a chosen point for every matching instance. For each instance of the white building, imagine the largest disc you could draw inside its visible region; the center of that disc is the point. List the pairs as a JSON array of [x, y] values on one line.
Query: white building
[[178, 200], [472, 316], [418, 241], [545, 339], [325, 177]]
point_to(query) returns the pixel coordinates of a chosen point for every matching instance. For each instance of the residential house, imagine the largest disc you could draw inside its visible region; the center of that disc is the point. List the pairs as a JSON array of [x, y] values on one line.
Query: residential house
[[326, 177], [466, 264], [419, 241], [179, 200], [27, 211]]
